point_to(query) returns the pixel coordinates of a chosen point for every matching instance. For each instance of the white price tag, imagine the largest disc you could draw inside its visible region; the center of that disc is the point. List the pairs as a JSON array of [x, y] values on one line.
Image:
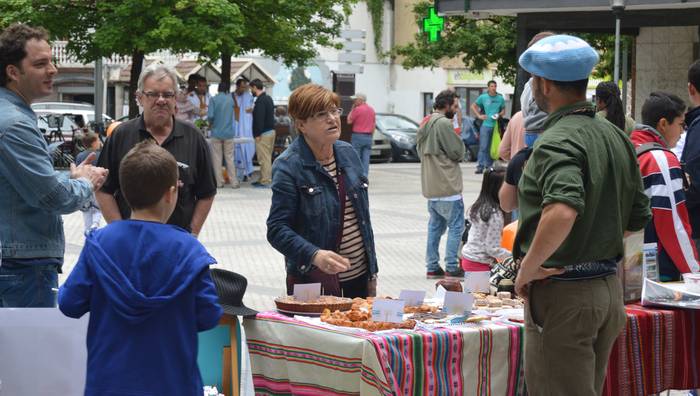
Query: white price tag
[[307, 291], [458, 303], [387, 310], [412, 297], [477, 282], [440, 294]]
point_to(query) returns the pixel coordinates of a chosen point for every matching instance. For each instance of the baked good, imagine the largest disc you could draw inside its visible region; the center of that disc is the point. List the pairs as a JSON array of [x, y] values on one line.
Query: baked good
[[333, 303], [450, 285]]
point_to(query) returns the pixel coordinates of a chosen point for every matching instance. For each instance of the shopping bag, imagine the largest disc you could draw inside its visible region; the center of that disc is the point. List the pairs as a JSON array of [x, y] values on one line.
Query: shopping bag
[[495, 141]]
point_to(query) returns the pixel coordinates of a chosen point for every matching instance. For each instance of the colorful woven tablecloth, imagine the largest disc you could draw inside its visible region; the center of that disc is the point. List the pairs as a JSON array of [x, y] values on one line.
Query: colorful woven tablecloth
[[289, 356], [658, 350]]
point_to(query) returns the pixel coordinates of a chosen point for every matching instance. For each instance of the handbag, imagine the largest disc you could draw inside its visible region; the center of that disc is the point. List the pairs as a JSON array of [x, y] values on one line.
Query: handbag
[[495, 141]]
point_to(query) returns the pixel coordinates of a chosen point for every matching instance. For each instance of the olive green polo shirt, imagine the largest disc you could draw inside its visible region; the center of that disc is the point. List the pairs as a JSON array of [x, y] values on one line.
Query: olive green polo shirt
[[588, 164]]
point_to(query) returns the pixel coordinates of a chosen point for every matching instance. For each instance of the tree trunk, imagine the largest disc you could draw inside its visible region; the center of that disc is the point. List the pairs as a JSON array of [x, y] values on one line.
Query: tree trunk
[[136, 65], [226, 70]]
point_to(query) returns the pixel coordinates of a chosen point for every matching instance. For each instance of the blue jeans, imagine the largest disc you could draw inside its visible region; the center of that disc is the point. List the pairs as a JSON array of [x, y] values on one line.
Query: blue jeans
[[484, 157], [444, 215], [29, 283], [362, 143]]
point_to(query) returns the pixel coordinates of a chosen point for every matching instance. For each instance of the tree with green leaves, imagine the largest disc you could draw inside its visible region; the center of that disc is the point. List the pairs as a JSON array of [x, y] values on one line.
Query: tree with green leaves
[[484, 42]]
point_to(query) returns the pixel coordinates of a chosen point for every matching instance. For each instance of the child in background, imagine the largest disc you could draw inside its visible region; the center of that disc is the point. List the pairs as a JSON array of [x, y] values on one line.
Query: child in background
[[483, 247], [92, 216], [147, 287]]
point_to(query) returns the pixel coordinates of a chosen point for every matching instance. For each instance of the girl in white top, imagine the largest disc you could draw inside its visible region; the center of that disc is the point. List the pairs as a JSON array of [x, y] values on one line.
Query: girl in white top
[[483, 247]]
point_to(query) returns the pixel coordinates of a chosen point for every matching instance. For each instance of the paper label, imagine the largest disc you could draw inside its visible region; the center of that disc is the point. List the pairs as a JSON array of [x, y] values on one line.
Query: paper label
[[477, 282], [458, 303], [307, 291], [387, 310], [412, 297], [440, 294]]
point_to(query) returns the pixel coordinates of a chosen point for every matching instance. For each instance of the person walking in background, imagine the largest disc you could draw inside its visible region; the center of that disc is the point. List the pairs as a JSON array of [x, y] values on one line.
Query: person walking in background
[[243, 123], [662, 117], [263, 131], [221, 120], [33, 195], [362, 119], [514, 137], [440, 151], [609, 105], [488, 107]]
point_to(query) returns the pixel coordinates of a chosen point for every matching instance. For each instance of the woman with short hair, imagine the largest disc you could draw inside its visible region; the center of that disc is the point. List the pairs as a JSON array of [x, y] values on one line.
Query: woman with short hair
[[319, 217]]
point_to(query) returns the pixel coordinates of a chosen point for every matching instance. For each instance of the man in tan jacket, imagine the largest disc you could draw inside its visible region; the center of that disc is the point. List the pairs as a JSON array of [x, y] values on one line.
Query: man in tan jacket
[[441, 151]]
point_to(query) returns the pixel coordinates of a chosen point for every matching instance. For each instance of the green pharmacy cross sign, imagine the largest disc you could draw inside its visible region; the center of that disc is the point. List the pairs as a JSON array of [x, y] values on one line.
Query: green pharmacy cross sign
[[433, 25]]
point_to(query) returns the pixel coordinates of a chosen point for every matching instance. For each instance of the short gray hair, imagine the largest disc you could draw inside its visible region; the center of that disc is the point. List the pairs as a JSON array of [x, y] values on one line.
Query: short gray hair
[[158, 71]]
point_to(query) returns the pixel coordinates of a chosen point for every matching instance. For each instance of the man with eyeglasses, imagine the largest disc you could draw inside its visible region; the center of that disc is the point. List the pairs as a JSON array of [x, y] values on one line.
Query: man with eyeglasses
[[157, 88], [33, 195], [263, 131]]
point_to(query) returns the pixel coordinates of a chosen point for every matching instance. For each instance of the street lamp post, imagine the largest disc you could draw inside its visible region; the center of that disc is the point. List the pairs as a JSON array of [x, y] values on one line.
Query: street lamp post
[[618, 6]]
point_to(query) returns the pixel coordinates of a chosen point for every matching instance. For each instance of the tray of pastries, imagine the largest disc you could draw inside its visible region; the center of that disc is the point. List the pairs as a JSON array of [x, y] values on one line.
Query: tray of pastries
[[290, 305]]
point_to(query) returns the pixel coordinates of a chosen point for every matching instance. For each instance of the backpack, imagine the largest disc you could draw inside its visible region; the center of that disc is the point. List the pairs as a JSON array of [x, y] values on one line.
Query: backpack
[[646, 147]]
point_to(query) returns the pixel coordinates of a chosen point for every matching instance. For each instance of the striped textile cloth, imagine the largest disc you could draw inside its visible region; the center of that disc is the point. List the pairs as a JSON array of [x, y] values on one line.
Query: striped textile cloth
[[293, 357], [659, 350]]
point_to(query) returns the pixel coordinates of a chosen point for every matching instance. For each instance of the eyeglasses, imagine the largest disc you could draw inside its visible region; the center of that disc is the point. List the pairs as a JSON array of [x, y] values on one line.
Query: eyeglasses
[[157, 95], [324, 114]]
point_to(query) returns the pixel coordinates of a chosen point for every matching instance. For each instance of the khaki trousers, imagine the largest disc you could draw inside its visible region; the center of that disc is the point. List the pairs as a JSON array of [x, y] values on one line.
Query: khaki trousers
[[263, 149], [223, 148], [570, 328]]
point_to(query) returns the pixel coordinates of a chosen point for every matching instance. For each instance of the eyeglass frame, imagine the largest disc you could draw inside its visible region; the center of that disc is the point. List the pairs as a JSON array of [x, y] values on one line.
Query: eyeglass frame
[[157, 95], [324, 114]]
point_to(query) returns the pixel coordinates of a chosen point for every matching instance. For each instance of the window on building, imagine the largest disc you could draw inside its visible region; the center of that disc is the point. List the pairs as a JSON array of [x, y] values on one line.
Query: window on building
[[427, 103], [467, 96]]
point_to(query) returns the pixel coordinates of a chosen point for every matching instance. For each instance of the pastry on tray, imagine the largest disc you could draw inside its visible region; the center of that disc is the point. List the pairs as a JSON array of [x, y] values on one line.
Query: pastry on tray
[[333, 303]]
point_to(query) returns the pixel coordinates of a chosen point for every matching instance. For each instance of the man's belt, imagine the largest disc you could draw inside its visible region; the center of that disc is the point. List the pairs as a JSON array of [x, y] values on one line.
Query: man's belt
[[587, 270]]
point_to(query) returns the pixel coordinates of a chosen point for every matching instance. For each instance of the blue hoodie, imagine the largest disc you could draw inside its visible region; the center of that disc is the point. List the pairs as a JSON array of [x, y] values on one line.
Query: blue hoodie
[[148, 290]]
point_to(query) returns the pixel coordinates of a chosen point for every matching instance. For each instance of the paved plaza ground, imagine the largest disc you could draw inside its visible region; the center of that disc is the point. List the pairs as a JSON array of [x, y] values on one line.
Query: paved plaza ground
[[235, 233]]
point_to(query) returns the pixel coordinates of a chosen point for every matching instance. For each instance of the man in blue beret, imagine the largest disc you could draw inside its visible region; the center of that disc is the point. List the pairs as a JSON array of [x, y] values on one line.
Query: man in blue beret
[[580, 192]]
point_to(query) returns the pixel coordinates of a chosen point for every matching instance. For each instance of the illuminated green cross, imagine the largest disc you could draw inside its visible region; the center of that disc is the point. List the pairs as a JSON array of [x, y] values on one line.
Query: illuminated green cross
[[433, 24]]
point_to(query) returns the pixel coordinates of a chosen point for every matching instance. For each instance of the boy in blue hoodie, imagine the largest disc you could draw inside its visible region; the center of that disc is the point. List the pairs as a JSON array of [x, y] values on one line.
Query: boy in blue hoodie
[[147, 287]]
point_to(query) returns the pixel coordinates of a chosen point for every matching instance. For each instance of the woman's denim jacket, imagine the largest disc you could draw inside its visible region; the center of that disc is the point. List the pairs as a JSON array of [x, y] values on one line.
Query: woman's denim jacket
[[32, 194], [305, 212]]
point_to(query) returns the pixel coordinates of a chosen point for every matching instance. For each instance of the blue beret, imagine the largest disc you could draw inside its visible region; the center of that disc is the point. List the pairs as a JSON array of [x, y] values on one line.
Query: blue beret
[[560, 58]]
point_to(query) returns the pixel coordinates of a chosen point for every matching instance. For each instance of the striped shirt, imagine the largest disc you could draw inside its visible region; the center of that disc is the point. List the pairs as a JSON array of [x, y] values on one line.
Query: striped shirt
[[352, 246]]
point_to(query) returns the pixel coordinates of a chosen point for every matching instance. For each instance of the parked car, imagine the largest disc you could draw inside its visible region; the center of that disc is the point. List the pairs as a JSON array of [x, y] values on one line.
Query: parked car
[[61, 128], [82, 114], [401, 132], [381, 148]]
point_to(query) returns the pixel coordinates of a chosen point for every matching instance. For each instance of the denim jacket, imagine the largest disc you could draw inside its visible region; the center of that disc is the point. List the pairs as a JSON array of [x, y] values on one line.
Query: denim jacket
[[305, 212], [32, 194]]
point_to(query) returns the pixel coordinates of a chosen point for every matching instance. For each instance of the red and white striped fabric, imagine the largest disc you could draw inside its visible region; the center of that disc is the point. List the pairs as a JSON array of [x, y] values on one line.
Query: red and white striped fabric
[[663, 184]]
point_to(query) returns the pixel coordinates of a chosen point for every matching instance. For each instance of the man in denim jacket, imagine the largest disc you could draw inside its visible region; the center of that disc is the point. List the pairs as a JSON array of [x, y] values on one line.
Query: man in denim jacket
[[32, 193]]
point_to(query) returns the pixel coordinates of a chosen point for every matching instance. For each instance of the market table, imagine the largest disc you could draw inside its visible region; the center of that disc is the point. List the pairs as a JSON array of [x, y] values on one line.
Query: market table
[[289, 356], [658, 350]]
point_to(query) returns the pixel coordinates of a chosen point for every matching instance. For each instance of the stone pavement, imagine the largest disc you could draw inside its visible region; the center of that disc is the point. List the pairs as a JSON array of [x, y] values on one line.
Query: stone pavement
[[235, 233]]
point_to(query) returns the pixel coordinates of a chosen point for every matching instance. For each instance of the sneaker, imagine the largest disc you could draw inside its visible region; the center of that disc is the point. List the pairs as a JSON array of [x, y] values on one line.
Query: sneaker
[[235, 186], [479, 171], [458, 273], [435, 274], [260, 185]]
